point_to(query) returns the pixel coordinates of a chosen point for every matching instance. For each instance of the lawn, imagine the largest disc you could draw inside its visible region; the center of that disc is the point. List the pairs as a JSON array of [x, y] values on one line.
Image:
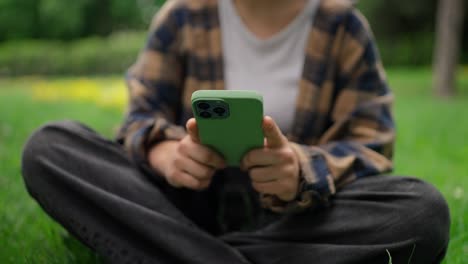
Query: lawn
[[432, 144]]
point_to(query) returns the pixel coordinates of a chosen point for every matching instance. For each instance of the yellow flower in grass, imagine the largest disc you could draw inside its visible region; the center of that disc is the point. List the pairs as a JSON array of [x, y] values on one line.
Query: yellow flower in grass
[[109, 92]]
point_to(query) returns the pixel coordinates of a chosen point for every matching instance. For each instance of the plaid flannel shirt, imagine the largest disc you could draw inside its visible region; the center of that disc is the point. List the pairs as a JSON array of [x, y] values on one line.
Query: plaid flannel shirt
[[343, 127]]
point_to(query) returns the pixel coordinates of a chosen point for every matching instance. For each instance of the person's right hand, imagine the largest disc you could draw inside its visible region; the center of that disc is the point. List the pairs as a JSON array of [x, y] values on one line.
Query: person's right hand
[[186, 163]]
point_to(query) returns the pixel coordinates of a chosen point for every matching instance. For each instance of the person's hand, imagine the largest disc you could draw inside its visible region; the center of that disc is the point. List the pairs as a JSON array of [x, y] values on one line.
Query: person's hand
[[186, 163], [273, 169]]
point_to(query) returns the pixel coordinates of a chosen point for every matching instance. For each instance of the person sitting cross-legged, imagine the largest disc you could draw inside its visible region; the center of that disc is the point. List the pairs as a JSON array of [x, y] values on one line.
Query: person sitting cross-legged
[[315, 193]]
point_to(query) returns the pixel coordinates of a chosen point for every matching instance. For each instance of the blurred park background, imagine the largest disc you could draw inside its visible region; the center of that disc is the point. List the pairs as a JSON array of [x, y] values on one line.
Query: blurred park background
[[66, 60]]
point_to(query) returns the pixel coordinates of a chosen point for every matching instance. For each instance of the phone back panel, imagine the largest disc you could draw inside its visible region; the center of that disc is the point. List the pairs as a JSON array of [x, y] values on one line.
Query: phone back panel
[[229, 121]]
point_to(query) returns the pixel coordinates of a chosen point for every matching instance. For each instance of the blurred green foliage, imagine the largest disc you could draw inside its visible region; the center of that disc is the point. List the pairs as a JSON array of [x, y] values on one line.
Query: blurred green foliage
[[65, 20], [86, 56], [60, 19], [405, 30], [400, 16], [79, 37]]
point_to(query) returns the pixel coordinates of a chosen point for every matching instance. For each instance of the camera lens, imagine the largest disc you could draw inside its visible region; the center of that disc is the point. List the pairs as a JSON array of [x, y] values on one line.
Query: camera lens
[[205, 114], [203, 106], [219, 110]]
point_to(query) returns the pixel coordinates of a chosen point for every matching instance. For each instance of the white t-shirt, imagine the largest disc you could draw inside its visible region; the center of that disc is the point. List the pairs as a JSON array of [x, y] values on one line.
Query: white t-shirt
[[273, 66]]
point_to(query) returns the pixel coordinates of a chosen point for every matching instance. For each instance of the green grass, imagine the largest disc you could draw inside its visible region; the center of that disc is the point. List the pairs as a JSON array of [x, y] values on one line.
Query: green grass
[[27, 235], [432, 144]]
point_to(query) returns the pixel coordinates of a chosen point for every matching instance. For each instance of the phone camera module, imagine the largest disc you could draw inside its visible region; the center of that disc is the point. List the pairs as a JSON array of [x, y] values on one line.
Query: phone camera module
[[205, 114], [219, 110], [203, 106]]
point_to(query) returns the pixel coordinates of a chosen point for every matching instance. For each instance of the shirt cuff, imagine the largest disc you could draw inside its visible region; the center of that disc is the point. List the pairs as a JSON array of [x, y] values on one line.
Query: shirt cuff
[[151, 133]]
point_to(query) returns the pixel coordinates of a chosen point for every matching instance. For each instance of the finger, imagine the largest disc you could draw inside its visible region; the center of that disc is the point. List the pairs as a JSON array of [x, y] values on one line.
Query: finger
[[287, 196], [273, 135], [279, 188], [268, 187], [183, 179], [194, 168], [258, 158], [192, 130], [204, 184], [206, 156], [264, 175]]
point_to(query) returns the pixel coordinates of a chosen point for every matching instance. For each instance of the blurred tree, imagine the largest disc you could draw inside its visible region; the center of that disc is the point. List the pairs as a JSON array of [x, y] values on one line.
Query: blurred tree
[[63, 19], [449, 30], [399, 16], [149, 8], [58, 19], [125, 14], [404, 29], [79, 18], [18, 19]]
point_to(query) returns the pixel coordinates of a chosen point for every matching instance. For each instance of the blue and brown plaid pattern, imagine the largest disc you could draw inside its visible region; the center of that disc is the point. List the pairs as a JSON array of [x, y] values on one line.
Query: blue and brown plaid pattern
[[343, 127]]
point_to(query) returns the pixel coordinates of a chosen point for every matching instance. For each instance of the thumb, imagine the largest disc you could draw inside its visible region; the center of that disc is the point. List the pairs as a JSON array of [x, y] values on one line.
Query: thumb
[[274, 137], [192, 130]]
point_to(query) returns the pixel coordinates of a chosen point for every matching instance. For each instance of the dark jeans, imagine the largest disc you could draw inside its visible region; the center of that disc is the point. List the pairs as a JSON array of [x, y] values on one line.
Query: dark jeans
[[88, 185]]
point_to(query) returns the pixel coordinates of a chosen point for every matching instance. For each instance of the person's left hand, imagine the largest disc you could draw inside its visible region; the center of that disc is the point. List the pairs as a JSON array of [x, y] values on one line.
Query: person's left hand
[[273, 169]]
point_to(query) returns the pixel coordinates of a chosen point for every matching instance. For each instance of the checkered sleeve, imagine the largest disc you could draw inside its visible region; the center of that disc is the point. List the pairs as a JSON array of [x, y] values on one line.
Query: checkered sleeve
[[359, 142], [154, 86]]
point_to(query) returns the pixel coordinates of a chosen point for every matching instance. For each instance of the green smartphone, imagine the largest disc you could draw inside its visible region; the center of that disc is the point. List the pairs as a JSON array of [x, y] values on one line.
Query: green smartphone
[[229, 121]]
